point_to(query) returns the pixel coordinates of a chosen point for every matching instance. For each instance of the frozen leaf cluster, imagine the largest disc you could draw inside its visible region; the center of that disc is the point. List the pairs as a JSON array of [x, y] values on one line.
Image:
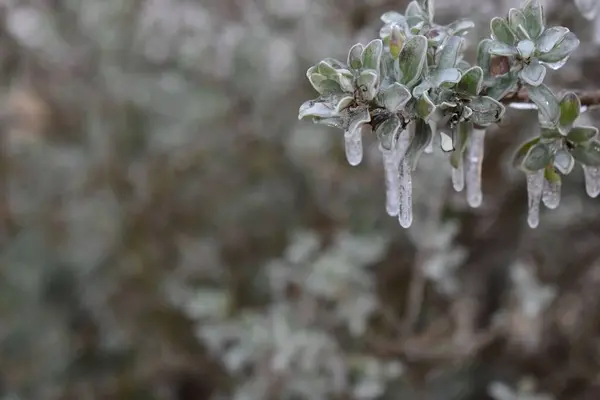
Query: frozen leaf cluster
[[414, 83]]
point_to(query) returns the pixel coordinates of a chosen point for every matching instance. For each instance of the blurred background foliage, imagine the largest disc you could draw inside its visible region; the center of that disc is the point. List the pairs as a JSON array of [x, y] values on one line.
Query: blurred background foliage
[[170, 231]]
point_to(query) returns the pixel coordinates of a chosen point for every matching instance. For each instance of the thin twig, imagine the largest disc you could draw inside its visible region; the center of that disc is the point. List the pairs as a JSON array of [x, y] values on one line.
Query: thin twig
[[588, 98]]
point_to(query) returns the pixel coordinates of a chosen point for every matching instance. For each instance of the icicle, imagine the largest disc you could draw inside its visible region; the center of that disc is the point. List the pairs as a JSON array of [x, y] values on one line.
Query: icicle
[[392, 181], [551, 194], [405, 215], [429, 148], [354, 147], [535, 187], [458, 177], [474, 162], [592, 180]]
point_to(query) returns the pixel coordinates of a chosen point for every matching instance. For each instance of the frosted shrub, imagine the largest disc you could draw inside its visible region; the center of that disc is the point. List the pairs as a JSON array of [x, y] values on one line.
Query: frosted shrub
[[412, 86]]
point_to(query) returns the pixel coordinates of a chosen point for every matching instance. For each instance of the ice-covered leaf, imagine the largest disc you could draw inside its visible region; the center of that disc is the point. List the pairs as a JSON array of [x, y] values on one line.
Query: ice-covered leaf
[[425, 107], [397, 38], [471, 81], [357, 117], [450, 52], [503, 49], [387, 132], [483, 56], [552, 189], [355, 56], [341, 102], [393, 17], [353, 135], [428, 7], [443, 76], [422, 137], [546, 102], [460, 27], [327, 70], [588, 154], [422, 88], [501, 31], [411, 59], [588, 8], [394, 97], [538, 156], [533, 74], [461, 134], [368, 82], [323, 85], [562, 49], [316, 108], [582, 134], [518, 23], [570, 108], [522, 152], [564, 161], [550, 38], [503, 85], [371, 56], [534, 14], [526, 48], [486, 110]]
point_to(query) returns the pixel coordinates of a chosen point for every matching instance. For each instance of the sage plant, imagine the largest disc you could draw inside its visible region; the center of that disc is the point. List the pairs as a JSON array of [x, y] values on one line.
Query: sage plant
[[412, 86]]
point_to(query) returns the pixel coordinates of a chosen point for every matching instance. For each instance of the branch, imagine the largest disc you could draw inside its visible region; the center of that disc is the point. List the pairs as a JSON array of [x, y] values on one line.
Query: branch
[[589, 98]]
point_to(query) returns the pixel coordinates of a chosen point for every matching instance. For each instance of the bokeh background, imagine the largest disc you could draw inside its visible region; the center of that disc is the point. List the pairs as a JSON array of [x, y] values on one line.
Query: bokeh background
[[170, 231]]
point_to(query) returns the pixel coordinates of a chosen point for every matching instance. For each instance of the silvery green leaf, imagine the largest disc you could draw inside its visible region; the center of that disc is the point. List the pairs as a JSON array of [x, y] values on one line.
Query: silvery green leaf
[[518, 23], [411, 59], [546, 102], [582, 134], [441, 76], [355, 56], [486, 110], [534, 13], [340, 102], [450, 52], [316, 108], [463, 65], [471, 81], [550, 133], [526, 48], [537, 158], [393, 17], [501, 31], [323, 85], [588, 154], [460, 27], [570, 108], [371, 55], [386, 132], [394, 97], [483, 55], [327, 70], [335, 122], [425, 107], [356, 118], [346, 80], [337, 64], [422, 137], [522, 152], [533, 74], [413, 9], [502, 86], [588, 8], [467, 112], [367, 82], [461, 134], [503, 49], [397, 38], [428, 8], [550, 38], [562, 49], [421, 88], [564, 161]]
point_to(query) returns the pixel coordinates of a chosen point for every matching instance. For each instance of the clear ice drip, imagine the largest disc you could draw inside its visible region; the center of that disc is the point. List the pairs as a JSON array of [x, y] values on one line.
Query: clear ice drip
[[458, 177], [354, 146], [535, 187], [551, 194], [473, 169], [392, 181], [592, 180], [405, 216]]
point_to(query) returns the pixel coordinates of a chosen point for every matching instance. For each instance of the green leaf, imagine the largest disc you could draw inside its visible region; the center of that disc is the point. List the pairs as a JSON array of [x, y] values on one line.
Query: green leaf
[[323, 85], [425, 107], [411, 59], [471, 81], [551, 176], [441, 76], [460, 27], [538, 157], [550, 133], [562, 49], [316, 108], [341, 101], [355, 56], [502, 86], [428, 8], [534, 15], [422, 137], [588, 154], [483, 56], [564, 161], [394, 97], [545, 100], [461, 134], [386, 132], [397, 38], [367, 82], [501, 31], [570, 108], [486, 110], [371, 55], [533, 74], [450, 53], [518, 23], [522, 151], [550, 38], [582, 134], [503, 49]]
